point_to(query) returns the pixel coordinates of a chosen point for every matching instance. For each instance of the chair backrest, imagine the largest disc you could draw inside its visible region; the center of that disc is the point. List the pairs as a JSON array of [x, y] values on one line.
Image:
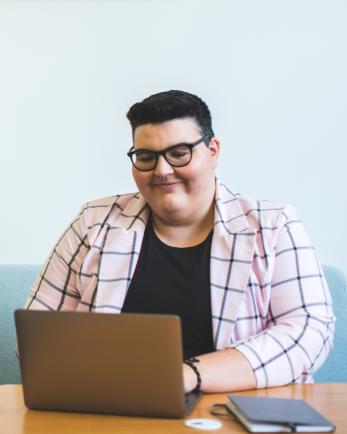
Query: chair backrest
[[15, 281], [334, 370]]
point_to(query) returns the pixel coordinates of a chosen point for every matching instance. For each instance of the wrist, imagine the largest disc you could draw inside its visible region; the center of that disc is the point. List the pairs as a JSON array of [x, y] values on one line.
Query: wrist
[[193, 377], [189, 378]]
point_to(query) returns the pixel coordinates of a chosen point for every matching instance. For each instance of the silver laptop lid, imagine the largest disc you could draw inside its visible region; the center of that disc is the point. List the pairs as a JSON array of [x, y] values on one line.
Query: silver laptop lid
[[128, 364]]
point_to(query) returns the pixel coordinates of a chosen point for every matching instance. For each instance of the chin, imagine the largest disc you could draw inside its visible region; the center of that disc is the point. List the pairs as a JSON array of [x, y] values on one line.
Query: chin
[[169, 206]]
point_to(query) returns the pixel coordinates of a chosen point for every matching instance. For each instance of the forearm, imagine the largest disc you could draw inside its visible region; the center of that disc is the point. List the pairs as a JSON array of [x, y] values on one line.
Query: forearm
[[221, 371]]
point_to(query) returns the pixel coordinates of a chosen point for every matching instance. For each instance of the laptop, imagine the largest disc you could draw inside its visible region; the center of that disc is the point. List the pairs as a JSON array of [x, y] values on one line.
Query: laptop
[[123, 364]]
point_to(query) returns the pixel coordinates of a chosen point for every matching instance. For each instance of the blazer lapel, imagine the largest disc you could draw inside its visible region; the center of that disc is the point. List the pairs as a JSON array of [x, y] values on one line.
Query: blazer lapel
[[232, 251], [120, 252]]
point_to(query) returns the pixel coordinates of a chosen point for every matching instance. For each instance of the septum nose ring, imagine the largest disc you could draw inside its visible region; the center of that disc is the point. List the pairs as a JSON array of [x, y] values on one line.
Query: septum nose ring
[[163, 178]]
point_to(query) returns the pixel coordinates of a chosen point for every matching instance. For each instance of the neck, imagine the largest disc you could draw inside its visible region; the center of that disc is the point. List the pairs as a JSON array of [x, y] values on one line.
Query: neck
[[184, 233]]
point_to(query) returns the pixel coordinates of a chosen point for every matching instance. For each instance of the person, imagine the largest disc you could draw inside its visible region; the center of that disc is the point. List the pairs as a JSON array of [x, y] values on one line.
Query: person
[[241, 273]]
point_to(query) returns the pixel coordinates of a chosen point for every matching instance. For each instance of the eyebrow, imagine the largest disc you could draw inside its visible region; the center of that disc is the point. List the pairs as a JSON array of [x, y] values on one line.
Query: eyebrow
[[168, 147]]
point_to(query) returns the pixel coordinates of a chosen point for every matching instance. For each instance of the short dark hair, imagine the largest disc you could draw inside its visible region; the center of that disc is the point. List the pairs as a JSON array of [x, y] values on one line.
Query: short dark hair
[[169, 105]]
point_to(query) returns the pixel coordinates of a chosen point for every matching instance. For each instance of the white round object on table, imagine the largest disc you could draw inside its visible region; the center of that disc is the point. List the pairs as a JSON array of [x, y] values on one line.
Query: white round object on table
[[204, 424]]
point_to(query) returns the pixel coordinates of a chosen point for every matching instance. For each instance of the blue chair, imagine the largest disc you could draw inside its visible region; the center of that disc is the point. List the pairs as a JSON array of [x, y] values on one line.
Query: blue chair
[[334, 370], [15, 281]]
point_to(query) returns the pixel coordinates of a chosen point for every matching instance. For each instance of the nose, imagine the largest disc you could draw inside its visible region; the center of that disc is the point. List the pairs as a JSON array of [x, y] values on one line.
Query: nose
[[163, 167]]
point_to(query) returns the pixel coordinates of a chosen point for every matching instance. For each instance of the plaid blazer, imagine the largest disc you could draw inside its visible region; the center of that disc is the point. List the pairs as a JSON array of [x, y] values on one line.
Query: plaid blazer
[[269, 297]]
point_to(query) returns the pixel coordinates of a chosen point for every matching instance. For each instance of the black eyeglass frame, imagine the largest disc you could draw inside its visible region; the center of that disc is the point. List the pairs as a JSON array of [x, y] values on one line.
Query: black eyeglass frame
[[156, 154]]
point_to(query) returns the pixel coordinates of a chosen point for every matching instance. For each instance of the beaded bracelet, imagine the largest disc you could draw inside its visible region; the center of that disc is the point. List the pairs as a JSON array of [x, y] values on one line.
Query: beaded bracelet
[[191, 362]]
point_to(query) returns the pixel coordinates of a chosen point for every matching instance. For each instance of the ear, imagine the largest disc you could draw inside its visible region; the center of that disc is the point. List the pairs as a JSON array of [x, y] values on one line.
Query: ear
[[214, 148]]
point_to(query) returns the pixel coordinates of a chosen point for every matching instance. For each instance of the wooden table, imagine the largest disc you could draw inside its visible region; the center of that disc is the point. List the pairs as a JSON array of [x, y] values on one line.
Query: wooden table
[[15, 418]]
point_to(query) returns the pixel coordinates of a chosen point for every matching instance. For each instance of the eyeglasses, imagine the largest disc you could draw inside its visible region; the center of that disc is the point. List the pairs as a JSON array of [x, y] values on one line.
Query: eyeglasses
[[177, 155]]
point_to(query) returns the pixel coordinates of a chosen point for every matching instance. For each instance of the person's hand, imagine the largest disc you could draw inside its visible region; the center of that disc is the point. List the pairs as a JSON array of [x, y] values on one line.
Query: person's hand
[[189, 378]]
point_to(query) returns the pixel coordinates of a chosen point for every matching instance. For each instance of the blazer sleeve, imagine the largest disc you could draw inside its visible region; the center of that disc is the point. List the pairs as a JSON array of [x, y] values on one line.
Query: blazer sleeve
[[56, 286], [300, 320]]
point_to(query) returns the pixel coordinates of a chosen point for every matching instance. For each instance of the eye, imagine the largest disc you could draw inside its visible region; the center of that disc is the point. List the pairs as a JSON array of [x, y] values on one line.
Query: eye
[[179, 152], [144, 156]]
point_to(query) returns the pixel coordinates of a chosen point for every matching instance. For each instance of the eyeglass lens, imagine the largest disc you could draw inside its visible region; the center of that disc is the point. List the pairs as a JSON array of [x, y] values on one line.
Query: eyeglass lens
[[179, 155]]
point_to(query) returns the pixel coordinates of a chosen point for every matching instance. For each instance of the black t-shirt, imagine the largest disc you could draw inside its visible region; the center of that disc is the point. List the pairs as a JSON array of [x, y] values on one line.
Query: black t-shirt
[[172, 280]]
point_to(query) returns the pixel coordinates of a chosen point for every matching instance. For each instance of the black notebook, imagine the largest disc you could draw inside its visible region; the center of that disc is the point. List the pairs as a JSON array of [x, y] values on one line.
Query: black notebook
[[262, 414]]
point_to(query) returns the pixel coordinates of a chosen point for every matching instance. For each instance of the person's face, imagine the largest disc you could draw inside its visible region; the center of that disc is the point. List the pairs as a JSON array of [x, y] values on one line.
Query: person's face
[[187, 190]]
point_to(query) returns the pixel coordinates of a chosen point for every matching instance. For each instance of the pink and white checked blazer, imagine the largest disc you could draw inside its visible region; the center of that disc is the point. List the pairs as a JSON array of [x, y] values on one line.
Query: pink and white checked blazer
[[269, 296]]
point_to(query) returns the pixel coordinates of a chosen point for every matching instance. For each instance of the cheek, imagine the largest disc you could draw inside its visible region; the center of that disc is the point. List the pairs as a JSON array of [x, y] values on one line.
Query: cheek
[[197, 175], [140, 178]]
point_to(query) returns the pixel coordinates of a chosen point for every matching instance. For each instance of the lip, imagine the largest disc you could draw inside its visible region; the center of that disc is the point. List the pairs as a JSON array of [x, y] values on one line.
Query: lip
[[166, 185]]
